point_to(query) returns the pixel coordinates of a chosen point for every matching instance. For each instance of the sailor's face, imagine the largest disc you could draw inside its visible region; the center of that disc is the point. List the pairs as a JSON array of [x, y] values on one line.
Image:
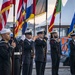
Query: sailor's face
[[73, 37], [41, 35], [29, 36], [55, 35], [7, 36]]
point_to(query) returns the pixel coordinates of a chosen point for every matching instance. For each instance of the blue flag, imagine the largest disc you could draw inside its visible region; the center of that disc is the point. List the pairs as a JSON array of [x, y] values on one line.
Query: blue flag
[[72, 25], [29, 14], [24, 27]]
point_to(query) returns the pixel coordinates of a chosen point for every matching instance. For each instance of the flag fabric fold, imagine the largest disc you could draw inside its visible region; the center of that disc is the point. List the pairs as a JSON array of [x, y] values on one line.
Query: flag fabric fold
[[24, 27], [4, 13], [40, 7], [20, 15], [30, 13], [13, 1], [29, 10], [33, 7], [72, 26], [57, 10]]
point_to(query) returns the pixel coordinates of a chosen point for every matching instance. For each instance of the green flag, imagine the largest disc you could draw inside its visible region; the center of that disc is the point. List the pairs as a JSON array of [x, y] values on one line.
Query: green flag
[[58, 6]]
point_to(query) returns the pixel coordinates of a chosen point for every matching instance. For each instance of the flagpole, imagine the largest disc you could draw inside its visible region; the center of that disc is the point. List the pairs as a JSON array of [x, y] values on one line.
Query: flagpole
[[59, 24], [13, 38], [34, 9], [46, 17], [34, 25], [46, 24], [46, 27], [13, 20]]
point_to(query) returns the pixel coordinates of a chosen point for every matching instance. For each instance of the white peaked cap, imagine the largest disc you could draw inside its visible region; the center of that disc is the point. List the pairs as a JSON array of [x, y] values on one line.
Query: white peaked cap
[[41, 30], [73, 34], [28, 31], [54, 31], [4, 30]]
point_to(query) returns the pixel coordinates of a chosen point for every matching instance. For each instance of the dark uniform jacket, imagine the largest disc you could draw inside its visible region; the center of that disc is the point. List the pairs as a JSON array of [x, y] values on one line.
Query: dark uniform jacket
[[55, 47], [5, 54], [16, 49], [72, 47], [28, 51], [39, 49]]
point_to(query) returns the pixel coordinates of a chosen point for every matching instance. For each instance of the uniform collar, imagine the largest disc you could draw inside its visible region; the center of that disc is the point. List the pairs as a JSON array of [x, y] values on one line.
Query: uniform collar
[[29, 39]]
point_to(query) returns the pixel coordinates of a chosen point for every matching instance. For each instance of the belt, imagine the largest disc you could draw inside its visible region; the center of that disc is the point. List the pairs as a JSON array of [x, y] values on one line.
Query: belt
[[17, 53]]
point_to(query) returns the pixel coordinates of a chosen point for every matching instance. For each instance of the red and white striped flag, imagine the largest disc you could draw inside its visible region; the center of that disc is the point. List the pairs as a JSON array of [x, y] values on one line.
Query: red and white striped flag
[[4, 13], [20, 15], [13, 1]]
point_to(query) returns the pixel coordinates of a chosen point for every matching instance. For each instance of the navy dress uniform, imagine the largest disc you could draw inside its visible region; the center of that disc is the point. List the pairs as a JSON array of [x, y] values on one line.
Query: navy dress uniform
[[28, 54], [55, 53], [17, 55], [40, 59], [5, 54], [72, 54], [45, 57]]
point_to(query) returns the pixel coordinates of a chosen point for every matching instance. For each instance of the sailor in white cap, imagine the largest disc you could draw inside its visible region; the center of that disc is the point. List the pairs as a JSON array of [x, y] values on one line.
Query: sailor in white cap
[[40, 44], [72, 54], [28, 32], [5, 52], [28, 53], [41, 31], [55, 51]]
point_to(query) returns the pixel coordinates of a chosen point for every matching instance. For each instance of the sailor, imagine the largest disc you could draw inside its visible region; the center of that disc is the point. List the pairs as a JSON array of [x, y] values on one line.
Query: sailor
[[55, 52], [72, 54], [40, 44], [45, 54], [17, 55], [5, 52], [28, 53]]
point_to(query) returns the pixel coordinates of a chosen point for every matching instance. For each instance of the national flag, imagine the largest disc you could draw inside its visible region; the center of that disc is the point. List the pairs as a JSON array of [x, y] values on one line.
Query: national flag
[[34, 6], [41, 7], [24, 27], [30, 10], [13, 1], [56, 11], [72, 26], [20, 15], [4, 13]]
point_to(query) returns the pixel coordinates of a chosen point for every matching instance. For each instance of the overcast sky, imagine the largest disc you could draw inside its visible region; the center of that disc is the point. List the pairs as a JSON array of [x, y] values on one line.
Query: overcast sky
[[51, 4]]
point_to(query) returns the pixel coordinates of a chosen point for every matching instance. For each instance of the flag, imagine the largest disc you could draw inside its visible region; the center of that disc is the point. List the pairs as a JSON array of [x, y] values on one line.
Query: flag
[[30, 12], [37, 7], [13, 1], [56, 11], [20, 15], [40, 7], [34, 6], [4, 13], [24, 27], [72, 25]]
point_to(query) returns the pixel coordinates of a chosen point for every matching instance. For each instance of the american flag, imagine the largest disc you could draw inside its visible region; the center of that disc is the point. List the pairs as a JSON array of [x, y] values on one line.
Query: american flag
[[4, 13]]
